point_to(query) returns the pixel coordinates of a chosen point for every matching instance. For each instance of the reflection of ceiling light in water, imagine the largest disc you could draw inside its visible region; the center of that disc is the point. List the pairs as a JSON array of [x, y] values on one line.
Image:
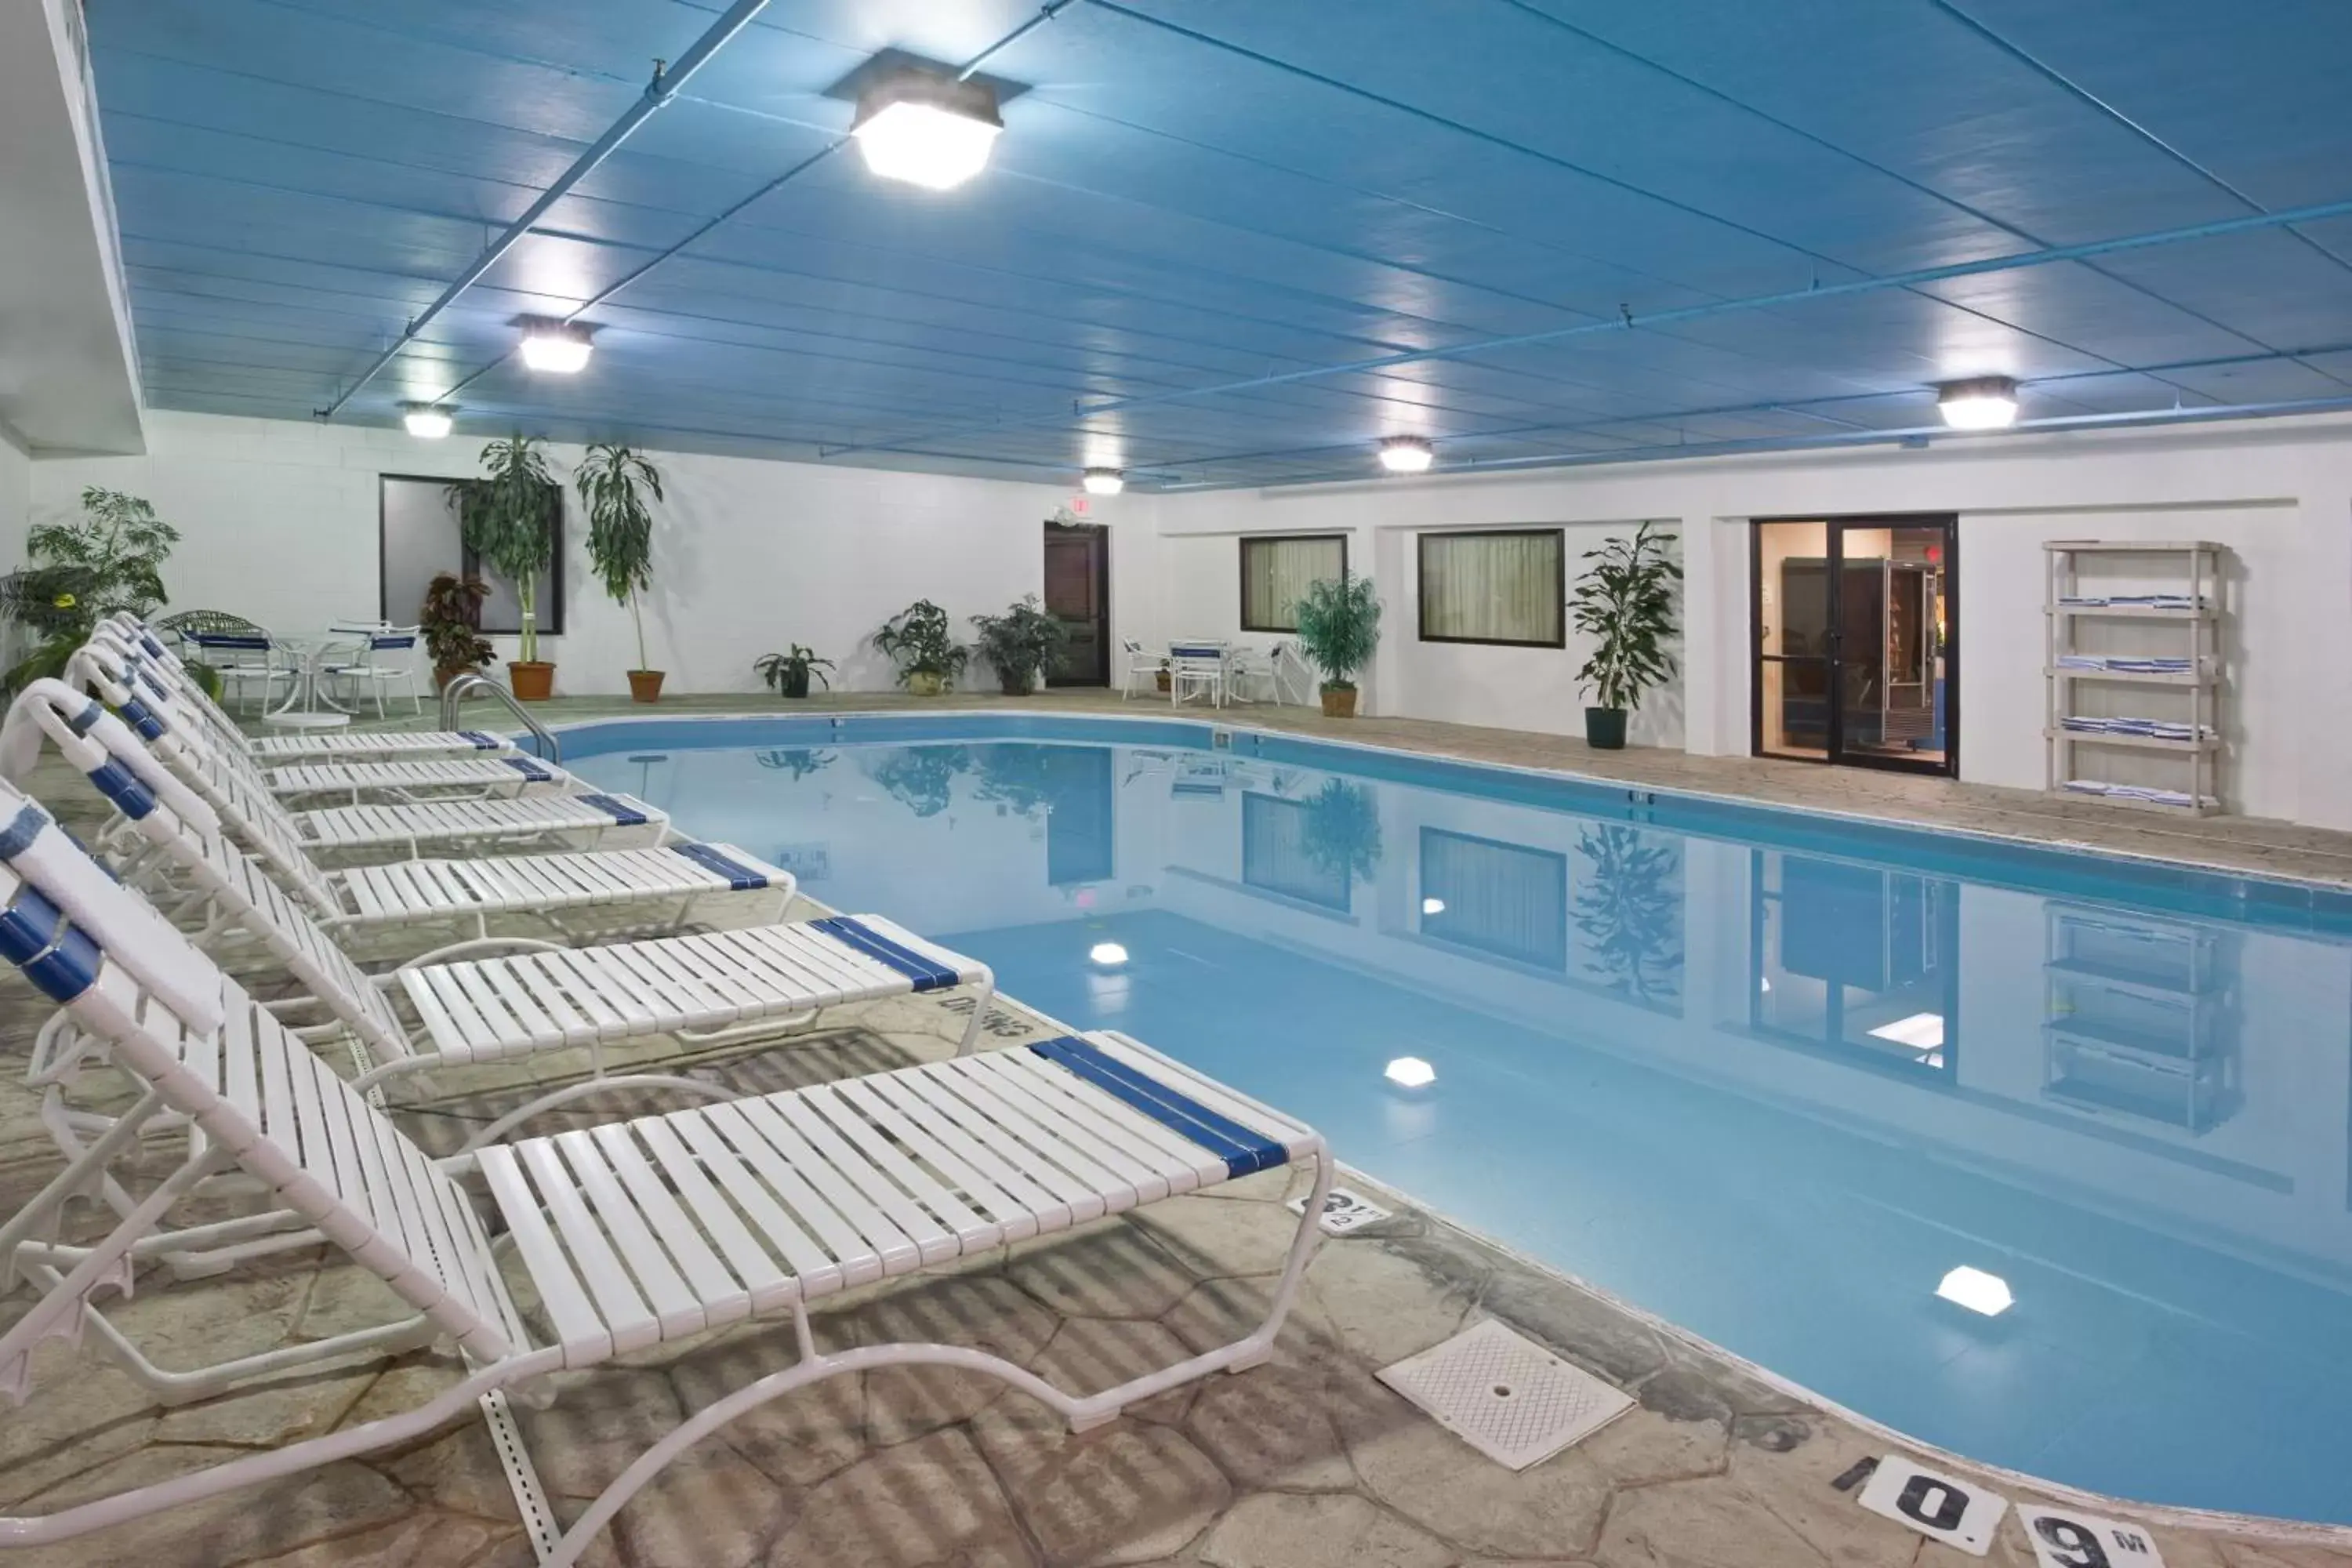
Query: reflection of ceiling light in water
[[1976, 1290], [1433, 906], [1108, 953], [1920, 1031], [1411, 1072], [1764, 984]]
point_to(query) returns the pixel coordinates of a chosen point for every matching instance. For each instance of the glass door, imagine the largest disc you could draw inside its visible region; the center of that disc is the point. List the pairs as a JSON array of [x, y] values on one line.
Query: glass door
[[1854, 656]]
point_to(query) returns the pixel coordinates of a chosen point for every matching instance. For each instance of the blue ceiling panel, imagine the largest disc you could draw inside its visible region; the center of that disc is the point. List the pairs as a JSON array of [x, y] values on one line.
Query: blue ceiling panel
[[1224, 242]]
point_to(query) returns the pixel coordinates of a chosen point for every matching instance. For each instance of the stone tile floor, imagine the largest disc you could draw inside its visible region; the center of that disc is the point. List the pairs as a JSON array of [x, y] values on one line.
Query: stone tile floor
[[1306, 1461]]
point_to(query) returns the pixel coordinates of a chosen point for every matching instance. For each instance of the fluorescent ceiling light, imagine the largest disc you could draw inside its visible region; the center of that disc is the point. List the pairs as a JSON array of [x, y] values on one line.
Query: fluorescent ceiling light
[[1987, 402], [1976, 1290], [559, 348], [1108, 953], [1407, 455], [1433, 906], [927, 129], [1411, 1072], [1920, 1031], [1104, 481], [424, 420]]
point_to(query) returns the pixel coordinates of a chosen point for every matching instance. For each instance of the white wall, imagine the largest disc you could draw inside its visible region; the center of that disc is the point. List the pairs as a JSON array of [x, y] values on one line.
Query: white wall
[[2279, 494], [16, 485], [280, 521]]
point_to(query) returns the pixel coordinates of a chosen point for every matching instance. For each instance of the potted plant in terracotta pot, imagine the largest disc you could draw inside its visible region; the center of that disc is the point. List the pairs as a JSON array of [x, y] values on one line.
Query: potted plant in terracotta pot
[[788, 673], [504, 518], [1021, 642], [917, 639], [614, 480], [1338, 627], [451, 621], [1626, 602]]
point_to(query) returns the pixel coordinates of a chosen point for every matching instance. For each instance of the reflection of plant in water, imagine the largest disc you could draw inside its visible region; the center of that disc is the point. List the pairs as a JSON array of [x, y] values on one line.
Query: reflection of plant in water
[[1629, 909], [798, 761], [1018, 777], [923, 777], [1343, 829]]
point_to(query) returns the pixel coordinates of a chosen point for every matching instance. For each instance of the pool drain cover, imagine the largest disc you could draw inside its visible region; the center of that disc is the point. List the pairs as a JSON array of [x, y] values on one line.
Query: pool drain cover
[[1505, 1395]]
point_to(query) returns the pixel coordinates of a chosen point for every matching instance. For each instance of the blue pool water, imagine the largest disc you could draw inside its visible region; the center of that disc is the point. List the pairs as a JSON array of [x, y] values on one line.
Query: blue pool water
[[1767, 1075]]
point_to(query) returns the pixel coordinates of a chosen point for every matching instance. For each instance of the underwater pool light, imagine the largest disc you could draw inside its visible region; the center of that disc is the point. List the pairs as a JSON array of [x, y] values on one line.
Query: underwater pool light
[[1411, 1072], [1108, 953]]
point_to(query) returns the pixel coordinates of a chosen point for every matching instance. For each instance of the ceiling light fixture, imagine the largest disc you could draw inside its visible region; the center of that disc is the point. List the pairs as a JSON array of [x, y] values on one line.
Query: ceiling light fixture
[[425, 421], [558, 348], [926, 127], [1104, 481], [1976, 1290], [1411, 1072], [1109, 954], [1985, 402], [1407, 455]]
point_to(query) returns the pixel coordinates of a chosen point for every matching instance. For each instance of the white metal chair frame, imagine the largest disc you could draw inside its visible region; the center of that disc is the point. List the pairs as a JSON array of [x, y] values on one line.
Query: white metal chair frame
[[1139, 663], [242, 657], [632, 1234], [1197, 669], [359, 662]]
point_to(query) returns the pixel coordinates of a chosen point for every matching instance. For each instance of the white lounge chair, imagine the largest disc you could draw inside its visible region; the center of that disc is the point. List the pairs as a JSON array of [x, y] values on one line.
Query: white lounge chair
[[629, 1235], [349, 744]]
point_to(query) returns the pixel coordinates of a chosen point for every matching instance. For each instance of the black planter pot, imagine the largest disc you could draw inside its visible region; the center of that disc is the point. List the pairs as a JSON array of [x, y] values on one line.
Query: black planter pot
[[1604, 729], [797, 685]]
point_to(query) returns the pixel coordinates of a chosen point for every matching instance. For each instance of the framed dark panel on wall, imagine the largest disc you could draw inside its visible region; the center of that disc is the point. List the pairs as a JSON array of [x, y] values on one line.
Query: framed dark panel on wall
[[417, 536]]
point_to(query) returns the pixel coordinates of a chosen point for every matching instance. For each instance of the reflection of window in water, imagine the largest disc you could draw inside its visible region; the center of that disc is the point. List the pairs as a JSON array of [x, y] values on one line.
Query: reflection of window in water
[[2143, 1017], [1279, 853], [1504, 899], [1856, 957]]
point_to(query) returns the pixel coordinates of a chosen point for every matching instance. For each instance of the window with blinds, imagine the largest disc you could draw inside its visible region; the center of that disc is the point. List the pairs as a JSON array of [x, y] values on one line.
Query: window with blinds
[[1507, 586], [1276, 570]]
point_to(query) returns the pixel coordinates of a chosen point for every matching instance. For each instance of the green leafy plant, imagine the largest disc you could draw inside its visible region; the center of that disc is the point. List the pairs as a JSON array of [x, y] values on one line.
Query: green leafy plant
[[111, 559], [504, 518], [798, 761], [1338, 628], [450, 619], [1342, 831], [922, 778], [615, 481], [1625, 601], [791, 672], [920, 641], [1021, 642], [1629, 909]]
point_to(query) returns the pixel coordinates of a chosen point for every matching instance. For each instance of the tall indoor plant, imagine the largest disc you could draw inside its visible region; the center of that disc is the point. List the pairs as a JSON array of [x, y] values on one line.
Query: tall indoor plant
[[919, 641], [110, 559], [504, 518], [1021, 643], [1626, 602], [1338, 627], [614, 480]]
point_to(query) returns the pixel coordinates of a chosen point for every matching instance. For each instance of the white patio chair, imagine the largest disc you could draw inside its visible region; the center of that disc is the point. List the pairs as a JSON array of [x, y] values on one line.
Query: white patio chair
[[133, 637], [1197, 669], [379, 654], [628, 1235], [247, 660], [1138, 663]]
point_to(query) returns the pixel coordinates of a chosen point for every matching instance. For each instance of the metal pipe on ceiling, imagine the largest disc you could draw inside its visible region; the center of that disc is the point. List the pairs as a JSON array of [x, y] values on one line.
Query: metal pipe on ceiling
[[1914, 279], [657, 94]]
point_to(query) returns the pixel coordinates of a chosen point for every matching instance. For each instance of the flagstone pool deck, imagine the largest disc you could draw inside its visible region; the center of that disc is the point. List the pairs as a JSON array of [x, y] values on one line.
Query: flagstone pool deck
[[1304, 1462]]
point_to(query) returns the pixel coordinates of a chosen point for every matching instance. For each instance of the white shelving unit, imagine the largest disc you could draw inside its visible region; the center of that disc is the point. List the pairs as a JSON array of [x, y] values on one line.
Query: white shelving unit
[[2190, 571]]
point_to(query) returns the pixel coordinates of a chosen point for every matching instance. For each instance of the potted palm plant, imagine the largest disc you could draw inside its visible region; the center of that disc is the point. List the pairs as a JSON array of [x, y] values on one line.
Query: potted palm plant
[[110, 559], [788, 672], [1021, 642], [504, 518], [917, 639], [1626, 602], [451, 620], [1338, 627], [615, 481]]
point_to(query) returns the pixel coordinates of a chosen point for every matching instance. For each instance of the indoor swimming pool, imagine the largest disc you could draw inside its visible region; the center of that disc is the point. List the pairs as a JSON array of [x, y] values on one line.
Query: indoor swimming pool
[[2042, 1157]]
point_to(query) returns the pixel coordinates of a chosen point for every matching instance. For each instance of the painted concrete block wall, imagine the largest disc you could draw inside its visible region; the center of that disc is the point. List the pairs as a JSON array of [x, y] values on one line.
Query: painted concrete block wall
[[16, 486], [2279, 494], [280, 521]]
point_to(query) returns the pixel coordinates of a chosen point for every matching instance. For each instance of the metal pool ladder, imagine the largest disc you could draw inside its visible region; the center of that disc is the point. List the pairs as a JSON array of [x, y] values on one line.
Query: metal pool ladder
[[457, 690]]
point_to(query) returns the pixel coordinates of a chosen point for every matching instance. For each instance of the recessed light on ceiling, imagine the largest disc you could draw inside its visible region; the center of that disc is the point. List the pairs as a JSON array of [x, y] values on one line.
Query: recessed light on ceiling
[[1976, 1290], [1104, 481], [558, 348], [927, 127], [1109, 954], [1985, 402], [1407, 455], [426, 421], [1411, 1072]]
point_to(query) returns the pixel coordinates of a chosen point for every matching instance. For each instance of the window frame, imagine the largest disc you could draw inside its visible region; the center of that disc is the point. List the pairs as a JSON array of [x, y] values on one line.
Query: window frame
[[1241, 579], [1421, 583]]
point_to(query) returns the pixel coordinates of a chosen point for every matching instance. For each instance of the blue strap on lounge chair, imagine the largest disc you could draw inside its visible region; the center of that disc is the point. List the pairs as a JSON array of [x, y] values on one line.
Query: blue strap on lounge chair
[[741, 878], [926, 975], [122, 786], [482, 742], [536, 771], [237, 640], [622, 816], [1243, 1149]]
